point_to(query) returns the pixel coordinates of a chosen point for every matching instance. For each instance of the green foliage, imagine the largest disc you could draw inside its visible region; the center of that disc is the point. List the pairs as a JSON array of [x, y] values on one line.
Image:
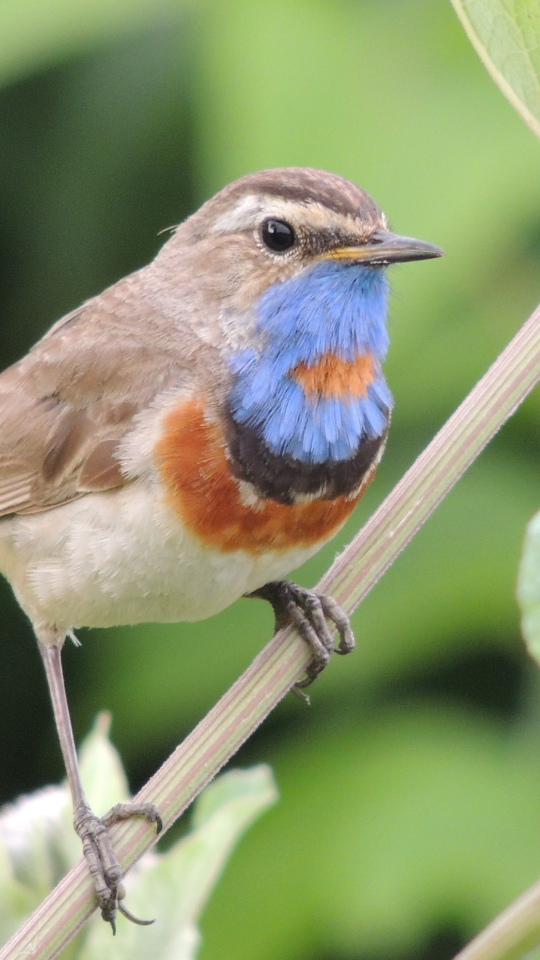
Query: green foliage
[[505, 34], [529, 588], [35, 33], [409, 789], [419, 816], [38, 846]]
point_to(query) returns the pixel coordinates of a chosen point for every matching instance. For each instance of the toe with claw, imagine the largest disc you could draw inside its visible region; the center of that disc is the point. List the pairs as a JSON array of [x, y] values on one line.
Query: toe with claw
[[310, 612], [104, 868]]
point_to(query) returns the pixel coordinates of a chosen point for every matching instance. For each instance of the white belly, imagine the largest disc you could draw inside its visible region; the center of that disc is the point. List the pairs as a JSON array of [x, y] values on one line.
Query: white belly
[[121, 557]]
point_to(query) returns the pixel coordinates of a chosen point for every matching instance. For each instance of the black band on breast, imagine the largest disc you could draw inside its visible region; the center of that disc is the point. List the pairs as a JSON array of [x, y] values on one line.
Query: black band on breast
[[283, 479]]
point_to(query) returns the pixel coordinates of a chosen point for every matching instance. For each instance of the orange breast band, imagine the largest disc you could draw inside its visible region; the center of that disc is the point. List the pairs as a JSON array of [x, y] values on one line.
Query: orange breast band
[[332, 377], [207, 498]]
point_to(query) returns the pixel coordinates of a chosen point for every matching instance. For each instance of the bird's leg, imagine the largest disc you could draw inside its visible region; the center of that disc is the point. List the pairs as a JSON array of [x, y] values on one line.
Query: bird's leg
[[104, 868], [309, 612]]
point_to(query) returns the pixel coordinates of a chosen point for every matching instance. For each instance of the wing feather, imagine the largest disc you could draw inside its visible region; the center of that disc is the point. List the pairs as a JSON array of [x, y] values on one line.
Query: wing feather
[[66, 407], [14, 491]]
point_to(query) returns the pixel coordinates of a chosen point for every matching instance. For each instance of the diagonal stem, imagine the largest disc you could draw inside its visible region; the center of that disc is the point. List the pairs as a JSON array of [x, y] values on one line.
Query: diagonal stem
[[513, 934], [483, 412], [278, 666]]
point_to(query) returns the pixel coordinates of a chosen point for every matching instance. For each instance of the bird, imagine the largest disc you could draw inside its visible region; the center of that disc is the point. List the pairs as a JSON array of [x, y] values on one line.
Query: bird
[[197, 431]]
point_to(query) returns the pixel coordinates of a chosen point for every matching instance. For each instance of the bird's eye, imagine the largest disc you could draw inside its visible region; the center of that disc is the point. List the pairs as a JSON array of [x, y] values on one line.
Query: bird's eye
[[278, 235]]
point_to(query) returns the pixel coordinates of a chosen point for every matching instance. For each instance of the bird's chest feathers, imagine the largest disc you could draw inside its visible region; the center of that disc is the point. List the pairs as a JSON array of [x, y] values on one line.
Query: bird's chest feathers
[[305, 423], [224, 512]]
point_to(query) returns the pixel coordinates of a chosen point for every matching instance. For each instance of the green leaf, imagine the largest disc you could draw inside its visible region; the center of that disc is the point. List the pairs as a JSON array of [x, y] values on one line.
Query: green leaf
[[38, 845], [506, 36], [174, 887], [393, 823], [102, 773], [528, 591]]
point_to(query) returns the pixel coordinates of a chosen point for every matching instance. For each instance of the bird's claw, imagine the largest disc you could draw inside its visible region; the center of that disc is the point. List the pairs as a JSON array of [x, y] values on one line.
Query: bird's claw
[[129, 916], [309, 612], [104, 868]]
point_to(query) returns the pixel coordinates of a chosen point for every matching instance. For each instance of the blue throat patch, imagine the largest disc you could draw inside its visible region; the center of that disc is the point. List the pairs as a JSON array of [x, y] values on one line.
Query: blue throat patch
[[331, 308]]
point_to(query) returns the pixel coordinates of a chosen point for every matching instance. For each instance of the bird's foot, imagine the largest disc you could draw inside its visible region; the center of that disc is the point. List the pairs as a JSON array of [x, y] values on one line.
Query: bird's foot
[[309, 612], [104, 868]]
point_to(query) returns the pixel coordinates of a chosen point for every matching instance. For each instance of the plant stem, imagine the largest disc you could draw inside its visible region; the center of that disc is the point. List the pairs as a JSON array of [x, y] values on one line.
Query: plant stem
[[512, 934], [270, 676]]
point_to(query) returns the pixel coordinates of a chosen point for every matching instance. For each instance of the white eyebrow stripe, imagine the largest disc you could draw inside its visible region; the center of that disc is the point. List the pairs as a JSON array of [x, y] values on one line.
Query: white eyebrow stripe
[[251, 209], [246, 213]]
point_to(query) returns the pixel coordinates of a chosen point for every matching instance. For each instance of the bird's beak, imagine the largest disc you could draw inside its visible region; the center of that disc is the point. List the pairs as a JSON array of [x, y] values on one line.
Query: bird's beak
[[384, 248]]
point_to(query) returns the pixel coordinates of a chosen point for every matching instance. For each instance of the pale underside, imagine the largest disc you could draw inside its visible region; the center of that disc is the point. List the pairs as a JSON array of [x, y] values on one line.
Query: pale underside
[[123, 557]]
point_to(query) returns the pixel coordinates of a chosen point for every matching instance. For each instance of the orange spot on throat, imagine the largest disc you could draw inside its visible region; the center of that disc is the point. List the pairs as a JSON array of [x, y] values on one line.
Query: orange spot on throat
[[206, 497], [332, 377]]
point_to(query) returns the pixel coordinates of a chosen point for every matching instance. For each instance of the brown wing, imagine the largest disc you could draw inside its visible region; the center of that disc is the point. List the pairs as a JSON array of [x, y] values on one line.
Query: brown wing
[[67, 405], [51, 451]]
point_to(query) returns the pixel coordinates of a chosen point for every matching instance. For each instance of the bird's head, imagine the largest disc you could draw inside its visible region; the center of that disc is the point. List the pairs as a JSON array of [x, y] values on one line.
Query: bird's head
[[286, 272], [271, 226]]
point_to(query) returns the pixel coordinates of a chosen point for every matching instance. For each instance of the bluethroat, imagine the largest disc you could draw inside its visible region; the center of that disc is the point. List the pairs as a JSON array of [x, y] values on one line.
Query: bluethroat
[[198, 430]]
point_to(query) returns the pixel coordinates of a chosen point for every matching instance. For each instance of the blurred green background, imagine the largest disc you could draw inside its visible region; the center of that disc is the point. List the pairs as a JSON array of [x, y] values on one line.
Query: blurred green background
[[410, 789]]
